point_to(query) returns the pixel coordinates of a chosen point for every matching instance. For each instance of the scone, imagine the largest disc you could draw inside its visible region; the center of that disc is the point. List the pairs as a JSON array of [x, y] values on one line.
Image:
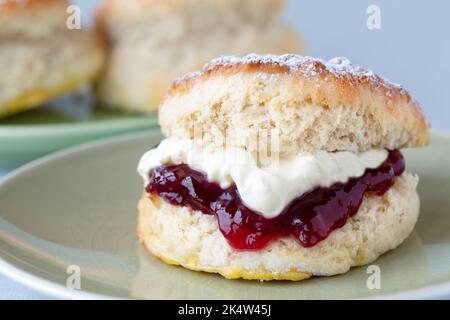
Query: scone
[[39, 56], [280, 167], [152, 42]]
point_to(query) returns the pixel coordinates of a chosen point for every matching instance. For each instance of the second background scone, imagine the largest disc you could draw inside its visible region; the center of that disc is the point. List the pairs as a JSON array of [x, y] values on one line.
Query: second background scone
[[151, 42]]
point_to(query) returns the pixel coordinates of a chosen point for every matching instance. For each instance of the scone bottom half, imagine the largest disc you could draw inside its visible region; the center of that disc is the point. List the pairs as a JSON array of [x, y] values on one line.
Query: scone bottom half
[[349, 208]]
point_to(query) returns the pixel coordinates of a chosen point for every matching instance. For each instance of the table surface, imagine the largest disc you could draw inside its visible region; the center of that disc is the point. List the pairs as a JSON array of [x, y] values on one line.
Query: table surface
[[410, 45]]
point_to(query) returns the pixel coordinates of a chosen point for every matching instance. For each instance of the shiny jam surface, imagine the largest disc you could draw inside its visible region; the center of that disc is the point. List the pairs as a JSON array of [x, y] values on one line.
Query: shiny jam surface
[[310, 218]]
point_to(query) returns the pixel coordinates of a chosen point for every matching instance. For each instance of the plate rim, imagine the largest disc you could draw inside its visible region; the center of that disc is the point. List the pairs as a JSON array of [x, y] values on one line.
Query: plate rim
[[55, 290]]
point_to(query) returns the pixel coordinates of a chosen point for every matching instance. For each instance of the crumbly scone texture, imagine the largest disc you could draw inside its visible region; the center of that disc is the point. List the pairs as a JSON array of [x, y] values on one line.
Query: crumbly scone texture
[[41, 58], [165, 39], [180, 236], [307, 104]]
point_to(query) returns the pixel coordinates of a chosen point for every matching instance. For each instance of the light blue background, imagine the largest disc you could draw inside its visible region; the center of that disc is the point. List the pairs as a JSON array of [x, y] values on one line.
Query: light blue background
[[412, 48]]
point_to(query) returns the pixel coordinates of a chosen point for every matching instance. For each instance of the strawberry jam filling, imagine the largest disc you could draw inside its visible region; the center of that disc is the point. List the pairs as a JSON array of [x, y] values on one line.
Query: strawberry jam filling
[[309, 218]]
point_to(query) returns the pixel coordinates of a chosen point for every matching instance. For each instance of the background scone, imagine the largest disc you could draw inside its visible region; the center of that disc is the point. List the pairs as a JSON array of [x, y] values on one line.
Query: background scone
[[151, 42], [319, 205], [39, 56]]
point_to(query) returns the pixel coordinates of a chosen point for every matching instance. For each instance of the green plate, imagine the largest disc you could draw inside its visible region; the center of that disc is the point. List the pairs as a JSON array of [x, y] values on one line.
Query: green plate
[[78, 208], [34, 133]]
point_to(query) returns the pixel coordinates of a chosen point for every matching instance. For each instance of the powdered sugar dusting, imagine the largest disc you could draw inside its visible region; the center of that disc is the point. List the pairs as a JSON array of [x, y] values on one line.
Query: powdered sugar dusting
[[308, 67], [343, 66], [292, 61], [340, 65]]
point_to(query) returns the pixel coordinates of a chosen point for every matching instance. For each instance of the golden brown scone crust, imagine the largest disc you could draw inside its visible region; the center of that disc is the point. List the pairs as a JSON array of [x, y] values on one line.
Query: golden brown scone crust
[[181, 236], [314, 104]]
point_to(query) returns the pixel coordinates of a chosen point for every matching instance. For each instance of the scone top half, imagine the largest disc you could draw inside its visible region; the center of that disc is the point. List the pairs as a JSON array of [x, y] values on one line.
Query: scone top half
[[308, 103]]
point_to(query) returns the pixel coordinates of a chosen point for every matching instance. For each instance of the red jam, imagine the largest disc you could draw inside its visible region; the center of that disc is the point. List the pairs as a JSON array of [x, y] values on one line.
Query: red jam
[[310, 218]]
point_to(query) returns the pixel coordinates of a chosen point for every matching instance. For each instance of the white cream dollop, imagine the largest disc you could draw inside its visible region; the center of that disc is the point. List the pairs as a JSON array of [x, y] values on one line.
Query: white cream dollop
[[264, 189]]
